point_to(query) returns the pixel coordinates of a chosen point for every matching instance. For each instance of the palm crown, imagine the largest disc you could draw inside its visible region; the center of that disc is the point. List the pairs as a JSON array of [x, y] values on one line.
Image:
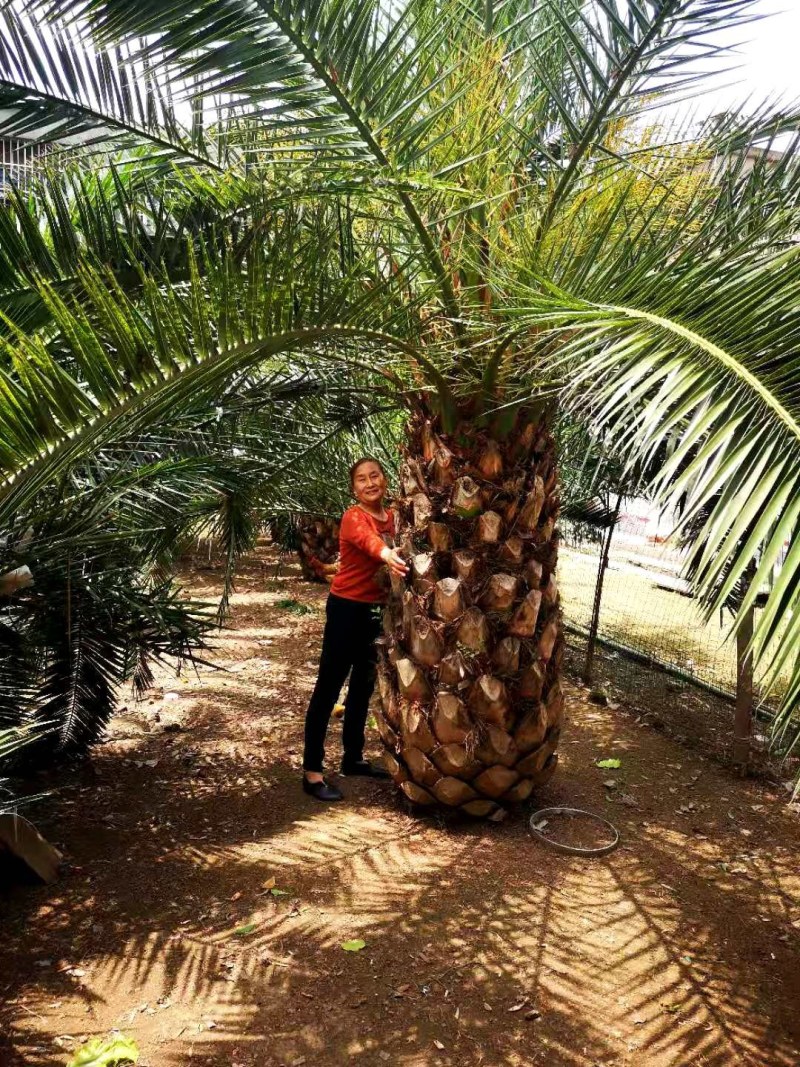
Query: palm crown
[[459, 200]]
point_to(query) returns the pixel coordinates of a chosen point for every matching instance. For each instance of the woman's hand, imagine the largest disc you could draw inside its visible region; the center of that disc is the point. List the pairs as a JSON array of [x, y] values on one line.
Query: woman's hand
[[395, 562]]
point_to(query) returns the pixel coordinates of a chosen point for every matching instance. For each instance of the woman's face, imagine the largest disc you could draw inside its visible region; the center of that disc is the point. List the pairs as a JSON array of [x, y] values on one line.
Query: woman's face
[[369, 484]]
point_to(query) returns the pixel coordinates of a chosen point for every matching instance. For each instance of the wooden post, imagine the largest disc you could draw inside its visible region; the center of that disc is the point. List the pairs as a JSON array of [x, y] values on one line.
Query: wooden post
[[594, 625], [743, 715]]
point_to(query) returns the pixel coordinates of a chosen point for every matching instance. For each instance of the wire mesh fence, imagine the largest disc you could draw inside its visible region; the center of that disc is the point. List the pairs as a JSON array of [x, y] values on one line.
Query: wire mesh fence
[[645, 610], [656, 641]]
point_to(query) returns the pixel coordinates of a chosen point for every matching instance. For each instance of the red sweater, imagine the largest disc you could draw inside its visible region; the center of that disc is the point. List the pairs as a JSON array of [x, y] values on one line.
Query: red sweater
[[360, 547]]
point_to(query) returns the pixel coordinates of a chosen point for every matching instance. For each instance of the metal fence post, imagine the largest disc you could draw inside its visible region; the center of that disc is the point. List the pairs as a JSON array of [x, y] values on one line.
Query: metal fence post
[[594, 625], [743, 714]]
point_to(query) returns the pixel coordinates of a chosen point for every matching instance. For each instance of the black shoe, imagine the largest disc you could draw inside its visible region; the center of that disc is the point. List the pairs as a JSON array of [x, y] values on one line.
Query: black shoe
[[362, 768], [321, 790]]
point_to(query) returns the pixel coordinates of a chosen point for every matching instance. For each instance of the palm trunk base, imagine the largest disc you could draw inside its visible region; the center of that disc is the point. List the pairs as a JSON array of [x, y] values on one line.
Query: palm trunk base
[[471, 703]]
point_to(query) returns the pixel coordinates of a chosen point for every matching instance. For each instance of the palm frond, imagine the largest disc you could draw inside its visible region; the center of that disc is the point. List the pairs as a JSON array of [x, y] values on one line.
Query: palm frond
[[702, 374], [58, 93]]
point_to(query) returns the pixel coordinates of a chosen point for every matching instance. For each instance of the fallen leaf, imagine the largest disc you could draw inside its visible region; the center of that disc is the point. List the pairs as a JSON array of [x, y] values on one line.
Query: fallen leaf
[[520, 1006], [269, 884], [99, 1052], [242, 931], [354, 946], [609, 764]]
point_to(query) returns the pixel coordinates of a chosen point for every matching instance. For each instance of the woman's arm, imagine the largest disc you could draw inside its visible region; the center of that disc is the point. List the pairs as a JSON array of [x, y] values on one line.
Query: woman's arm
[[358, 530]]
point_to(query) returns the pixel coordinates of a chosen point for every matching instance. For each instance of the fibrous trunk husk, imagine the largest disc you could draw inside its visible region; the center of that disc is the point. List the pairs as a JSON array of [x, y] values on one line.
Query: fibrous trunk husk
[[395, 768], [532, 508], [523, 622], [448, 601], [490, 527], [454, 792], [456, 760], [501, 592], [439, 537], [415, 728], [531, 730], [489, 701], [496, 780], [413, 683], [535, 761], [506, 655], [469, 664], [423, 572], [531, 681], [422, 770], [473, 630], [466, 566], [451, 721], [388, 735], [423, 509], [416, 794], [513, 550], [497, 747], [318, 547], [453, 669], [466, 500], [425, 643]]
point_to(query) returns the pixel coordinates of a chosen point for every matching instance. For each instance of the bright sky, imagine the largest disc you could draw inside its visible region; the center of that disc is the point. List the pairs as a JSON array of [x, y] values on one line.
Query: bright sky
[[767, 58]]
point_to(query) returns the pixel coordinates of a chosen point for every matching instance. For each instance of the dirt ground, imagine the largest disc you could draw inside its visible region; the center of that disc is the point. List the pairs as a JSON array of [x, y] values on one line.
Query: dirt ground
[[483, 946], [685, 712]]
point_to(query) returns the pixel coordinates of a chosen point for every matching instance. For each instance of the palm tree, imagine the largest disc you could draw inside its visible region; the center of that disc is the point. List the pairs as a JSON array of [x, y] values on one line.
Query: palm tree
[[498, 241]]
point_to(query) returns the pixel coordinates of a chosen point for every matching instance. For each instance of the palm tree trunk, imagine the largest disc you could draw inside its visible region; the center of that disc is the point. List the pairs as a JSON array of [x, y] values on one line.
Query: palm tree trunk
[[472, 648], [318, 547]]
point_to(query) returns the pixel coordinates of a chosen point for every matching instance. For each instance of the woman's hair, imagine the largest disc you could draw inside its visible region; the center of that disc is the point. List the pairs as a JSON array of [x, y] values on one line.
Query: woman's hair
[[360, 463]]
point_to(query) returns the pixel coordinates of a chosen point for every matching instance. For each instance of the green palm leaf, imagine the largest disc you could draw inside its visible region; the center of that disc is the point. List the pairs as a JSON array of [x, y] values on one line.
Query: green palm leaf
[[56, 92]]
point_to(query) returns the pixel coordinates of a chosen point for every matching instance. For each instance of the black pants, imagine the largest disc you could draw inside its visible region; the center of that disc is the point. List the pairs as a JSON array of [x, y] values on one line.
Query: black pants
[[348, 647]]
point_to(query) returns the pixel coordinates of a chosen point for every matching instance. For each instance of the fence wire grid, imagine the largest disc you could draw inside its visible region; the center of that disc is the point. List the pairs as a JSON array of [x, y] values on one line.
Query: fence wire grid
[[653, 635], [645, 610]]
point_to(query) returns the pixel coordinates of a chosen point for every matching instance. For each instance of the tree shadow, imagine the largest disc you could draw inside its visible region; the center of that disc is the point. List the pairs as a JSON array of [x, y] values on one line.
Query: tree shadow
[[476, 938], [482, 946]]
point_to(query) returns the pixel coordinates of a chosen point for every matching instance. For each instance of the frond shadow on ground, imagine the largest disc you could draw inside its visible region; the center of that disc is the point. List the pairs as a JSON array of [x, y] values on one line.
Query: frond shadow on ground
[[481, 947]]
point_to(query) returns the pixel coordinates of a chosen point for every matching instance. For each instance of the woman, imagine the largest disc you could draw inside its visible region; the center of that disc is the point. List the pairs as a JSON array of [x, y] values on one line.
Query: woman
[[351, 627]]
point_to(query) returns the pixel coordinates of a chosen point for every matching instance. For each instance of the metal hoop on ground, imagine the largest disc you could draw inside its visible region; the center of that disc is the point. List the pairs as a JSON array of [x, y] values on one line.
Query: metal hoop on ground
[[574, 850]]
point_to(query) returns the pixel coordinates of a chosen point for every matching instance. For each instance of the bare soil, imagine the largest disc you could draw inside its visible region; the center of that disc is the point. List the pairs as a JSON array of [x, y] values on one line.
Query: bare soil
[[483, 946], [698, 719]]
